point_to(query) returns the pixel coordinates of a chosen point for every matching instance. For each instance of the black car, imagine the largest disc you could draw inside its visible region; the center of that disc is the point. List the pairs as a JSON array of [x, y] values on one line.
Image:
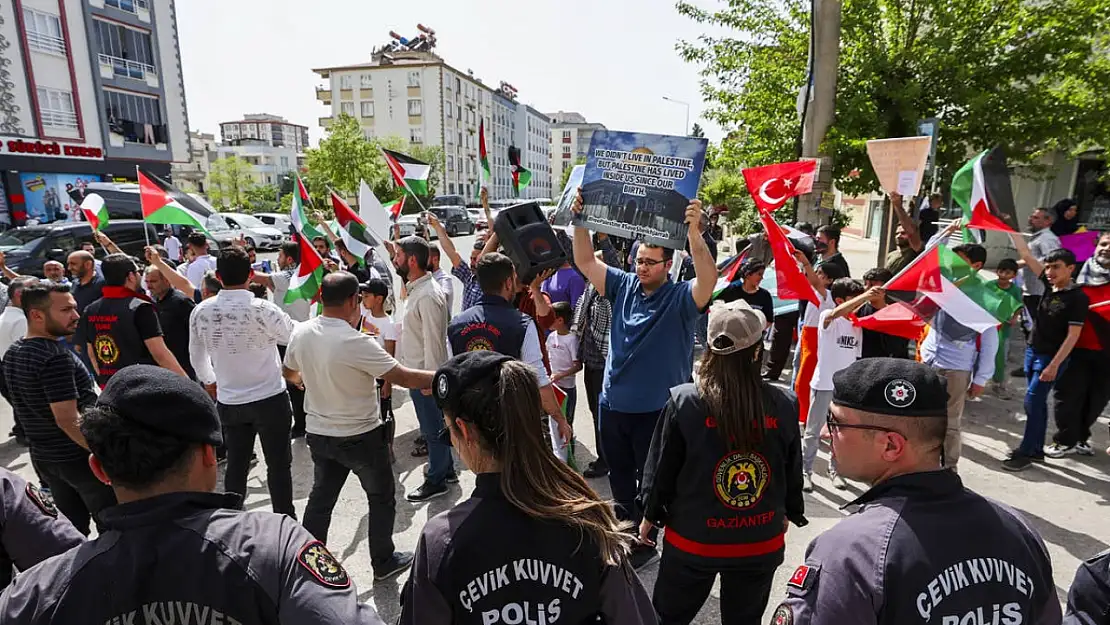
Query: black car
[[27, 248], [455, 219]]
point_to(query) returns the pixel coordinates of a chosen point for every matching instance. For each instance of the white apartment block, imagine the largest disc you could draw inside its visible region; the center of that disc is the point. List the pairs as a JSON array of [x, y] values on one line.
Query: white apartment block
[[192, 176], [533, 137], [570, 140], [269, 129]]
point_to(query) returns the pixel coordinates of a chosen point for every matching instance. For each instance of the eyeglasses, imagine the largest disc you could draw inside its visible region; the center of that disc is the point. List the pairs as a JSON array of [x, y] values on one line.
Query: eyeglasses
[[833, 424], [648, 262]]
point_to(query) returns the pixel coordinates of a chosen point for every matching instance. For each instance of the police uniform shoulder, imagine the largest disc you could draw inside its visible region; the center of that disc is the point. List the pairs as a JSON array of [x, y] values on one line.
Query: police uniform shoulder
[[35, 590], [1015, 517], [868, 530], [1099, 558]]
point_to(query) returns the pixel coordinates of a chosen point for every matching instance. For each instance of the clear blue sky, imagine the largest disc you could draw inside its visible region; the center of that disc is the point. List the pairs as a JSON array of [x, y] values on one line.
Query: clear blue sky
[[611, 60]]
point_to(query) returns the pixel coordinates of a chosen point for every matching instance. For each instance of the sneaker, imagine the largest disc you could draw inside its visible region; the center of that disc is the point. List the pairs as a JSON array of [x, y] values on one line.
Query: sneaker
[[1017, 463], [1083, 448], [400, 562], [452, 478], [839, 483], [1056, 450], [642, 555], [427, 491], [807, 483], [595, 470]]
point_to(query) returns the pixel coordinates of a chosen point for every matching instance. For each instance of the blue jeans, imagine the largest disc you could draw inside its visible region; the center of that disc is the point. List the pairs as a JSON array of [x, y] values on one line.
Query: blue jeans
[[1036, 402], [431, 424]]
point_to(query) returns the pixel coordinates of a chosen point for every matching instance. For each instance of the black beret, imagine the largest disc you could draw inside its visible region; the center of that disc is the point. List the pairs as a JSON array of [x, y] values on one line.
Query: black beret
[[462, 372], [891, 386], [164, 401]]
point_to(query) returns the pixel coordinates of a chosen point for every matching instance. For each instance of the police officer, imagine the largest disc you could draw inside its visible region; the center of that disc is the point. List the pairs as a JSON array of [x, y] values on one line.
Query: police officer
[[173, 550], [30, 528], [557, 554], [724, 476], [1089, 596], [497, 325], [122, 327], [921, 548]]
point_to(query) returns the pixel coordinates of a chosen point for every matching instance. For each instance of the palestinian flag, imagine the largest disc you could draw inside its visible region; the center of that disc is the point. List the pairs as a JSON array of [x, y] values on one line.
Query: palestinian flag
[[727, 274], [898, 319], [299, 216], [301, 190], [521, 175], [352, 230], [95, 211], [484, 173], [561, 397], [395, 207], [409, 173], [939, 279], [166, 205], [982, 188], [305, 285]]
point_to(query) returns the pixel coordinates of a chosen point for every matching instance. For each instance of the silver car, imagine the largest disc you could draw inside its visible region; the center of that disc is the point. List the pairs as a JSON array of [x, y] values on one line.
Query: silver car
[[280, 221], [254, 232]]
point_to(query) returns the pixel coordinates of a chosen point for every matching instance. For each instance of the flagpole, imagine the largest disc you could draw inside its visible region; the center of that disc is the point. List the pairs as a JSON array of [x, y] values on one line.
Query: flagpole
[[146, 233]]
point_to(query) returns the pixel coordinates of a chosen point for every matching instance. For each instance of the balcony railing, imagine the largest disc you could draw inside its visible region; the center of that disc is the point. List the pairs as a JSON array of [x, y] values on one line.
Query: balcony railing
[[46, 43], [127, 68], [58, 119], [131, 6]]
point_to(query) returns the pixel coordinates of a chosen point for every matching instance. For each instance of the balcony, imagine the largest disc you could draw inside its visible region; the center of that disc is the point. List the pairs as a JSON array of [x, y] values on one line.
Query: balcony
[[59, 120], [115, 67], [46, 43], [323, 95], [139, 8], [325, 122]]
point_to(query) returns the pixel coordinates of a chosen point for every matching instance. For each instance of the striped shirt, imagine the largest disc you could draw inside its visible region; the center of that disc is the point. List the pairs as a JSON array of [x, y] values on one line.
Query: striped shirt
[[40, 372], [472, 291]]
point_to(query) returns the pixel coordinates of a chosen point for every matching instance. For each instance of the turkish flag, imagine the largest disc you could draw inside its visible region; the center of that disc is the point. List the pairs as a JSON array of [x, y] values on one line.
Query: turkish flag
[[772, 185], [792, 282]]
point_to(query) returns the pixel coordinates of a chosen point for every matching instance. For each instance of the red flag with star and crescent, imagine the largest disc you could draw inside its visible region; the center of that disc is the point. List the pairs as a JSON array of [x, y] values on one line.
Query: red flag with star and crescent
[[772, 185]]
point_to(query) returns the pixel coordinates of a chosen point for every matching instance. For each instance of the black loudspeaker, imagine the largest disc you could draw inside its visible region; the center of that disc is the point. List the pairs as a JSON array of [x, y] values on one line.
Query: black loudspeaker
[[528, 240]]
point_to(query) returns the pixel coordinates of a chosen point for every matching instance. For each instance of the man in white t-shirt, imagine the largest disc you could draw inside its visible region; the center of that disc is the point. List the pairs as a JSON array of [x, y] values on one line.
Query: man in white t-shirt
[[375, 322], [202, 262], [338, 366], [838, 345], [173, 246]]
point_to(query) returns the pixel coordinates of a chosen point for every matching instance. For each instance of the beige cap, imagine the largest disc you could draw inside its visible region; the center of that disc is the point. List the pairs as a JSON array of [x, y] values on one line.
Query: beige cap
[[737, 321]]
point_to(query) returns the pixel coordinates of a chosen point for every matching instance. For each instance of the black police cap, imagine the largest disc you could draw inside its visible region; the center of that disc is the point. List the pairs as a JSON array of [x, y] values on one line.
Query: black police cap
[[462, 372], [163, 401], [891, 386]]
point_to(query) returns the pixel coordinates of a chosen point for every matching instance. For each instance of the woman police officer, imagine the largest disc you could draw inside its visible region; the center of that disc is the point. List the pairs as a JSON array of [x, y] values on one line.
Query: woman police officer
[[534, 544]]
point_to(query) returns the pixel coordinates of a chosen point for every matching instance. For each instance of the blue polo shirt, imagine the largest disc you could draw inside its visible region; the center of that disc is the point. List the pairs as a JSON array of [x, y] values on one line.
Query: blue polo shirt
[[651, 342]]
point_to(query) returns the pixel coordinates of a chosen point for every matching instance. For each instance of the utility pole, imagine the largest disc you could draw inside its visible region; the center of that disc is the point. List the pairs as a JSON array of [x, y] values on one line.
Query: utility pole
[[825, 60], [687, 105]]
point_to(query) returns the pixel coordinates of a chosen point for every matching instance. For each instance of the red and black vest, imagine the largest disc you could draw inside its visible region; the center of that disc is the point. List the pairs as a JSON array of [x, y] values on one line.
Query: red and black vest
[[111, 331]]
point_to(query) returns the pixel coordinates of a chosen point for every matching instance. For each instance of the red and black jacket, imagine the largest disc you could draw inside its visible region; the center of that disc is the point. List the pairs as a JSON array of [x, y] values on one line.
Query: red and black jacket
[[722, 507]]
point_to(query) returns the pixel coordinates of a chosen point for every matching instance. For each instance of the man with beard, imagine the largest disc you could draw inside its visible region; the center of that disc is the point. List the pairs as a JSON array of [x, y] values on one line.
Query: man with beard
[[174, 309], [87, 287], [828, 249], [49, 388], [1082, 392], [1041, 243], [907, 237]]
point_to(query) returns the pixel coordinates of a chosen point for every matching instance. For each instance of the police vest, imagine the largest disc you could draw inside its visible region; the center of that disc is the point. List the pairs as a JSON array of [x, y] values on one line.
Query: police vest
[[729, 507], [491, 324], [111, 330]]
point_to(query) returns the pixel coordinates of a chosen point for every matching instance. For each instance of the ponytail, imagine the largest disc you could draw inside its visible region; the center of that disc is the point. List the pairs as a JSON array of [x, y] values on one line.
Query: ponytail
[[732, 390]]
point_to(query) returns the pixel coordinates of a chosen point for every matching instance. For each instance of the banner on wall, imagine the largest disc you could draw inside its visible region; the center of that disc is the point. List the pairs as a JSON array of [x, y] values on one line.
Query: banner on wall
[[54, 197]]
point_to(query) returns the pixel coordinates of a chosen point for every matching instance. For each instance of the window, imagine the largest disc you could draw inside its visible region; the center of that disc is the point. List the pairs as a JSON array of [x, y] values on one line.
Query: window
[[137, 118], [44, 32], [347, 108], [367, 109], [450, 163], [365, 82], [566, 151], [285, 162], [414, 79], [447, 109], [414, 108], [56, 108], [566, 136], [416, 135], [131, 6], [129, 51], [345, 81]]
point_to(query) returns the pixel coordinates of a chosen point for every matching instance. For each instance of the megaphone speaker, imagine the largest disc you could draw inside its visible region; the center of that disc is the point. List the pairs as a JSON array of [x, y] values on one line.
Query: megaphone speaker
[[528, 240]]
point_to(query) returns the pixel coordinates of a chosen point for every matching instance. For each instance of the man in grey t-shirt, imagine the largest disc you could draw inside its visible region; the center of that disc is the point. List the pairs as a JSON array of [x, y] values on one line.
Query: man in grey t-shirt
[[1041, 243]]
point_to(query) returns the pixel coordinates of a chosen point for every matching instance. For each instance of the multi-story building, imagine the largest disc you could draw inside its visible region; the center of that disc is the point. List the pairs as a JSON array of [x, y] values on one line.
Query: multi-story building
[[89, 89], [533, 137], [407, 91], [192, 176], [570, 140], [268, 143]]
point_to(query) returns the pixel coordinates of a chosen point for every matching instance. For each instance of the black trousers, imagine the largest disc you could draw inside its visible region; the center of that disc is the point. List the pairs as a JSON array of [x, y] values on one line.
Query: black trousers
[[296, 399], [270, 419], [367, 456], [76, 491], [593, 379], [782, 335], [682, 588], [626, 437], [1080, 396]]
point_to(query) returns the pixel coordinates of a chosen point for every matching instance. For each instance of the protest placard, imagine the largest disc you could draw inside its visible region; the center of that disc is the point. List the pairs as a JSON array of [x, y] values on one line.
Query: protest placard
[[562, 215], [638, 185], [899, 163]]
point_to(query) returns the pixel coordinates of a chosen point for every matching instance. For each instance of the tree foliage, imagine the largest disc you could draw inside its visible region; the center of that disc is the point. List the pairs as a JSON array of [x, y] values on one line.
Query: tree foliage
[[261, 199], [1030, 76], [229, 179], [581, 160], [697, 131]]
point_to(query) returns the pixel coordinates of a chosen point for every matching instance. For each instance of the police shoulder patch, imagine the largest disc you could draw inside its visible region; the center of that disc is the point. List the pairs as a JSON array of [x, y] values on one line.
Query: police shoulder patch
[[43, 501], [803, 576], [783, 615], [315, 557]]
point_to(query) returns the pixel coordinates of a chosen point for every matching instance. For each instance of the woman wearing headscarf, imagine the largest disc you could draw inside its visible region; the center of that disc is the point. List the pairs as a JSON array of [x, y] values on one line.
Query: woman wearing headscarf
[[1066, 213]]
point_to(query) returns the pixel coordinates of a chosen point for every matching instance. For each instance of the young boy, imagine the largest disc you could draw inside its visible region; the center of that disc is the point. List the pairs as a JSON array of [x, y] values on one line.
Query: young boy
[[377, 323], [879, 344], [562, 353], [820, 279], [838, 345], [1057, 323], [1006, 271]]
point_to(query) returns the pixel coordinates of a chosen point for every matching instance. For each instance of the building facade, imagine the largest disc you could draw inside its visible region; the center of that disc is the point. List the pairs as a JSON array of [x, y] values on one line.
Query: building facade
[[192, 176], [533, 137], [415, 95], [89, 90], [270, 145], [570, 140]]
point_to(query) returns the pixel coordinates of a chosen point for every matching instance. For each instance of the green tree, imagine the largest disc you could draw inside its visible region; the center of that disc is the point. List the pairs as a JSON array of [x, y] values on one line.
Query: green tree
[[229, 179], [581, 160], [697, 131], [1030, 76], [261, 199]]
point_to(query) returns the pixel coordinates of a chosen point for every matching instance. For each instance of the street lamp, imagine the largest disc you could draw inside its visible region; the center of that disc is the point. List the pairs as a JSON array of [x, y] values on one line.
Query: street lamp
[[687, 105]]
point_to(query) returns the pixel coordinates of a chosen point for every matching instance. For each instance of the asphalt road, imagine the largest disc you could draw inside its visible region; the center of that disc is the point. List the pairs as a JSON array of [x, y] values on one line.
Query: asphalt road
[[1066, 500]]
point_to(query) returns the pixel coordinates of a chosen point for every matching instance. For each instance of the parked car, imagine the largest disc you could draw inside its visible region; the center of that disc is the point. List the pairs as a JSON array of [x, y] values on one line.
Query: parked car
[[254, 231], [219, 231], [407, 225], [27, 248], [455, 219], [478, 217], [281, 221]]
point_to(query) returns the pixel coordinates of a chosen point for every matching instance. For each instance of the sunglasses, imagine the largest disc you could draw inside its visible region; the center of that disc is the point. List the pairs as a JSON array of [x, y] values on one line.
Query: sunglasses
[[648, 262], [833, 424]]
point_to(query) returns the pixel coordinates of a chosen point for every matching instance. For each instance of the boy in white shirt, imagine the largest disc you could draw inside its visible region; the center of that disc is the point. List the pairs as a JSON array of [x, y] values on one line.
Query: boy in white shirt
[[839, 341], [562, 354], [377, 323]]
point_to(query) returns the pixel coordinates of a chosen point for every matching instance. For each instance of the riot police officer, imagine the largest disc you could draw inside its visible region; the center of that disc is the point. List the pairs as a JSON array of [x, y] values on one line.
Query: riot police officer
[[921, 548], [1089, 595], [533, 544], [31, 530], [173, 550]]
